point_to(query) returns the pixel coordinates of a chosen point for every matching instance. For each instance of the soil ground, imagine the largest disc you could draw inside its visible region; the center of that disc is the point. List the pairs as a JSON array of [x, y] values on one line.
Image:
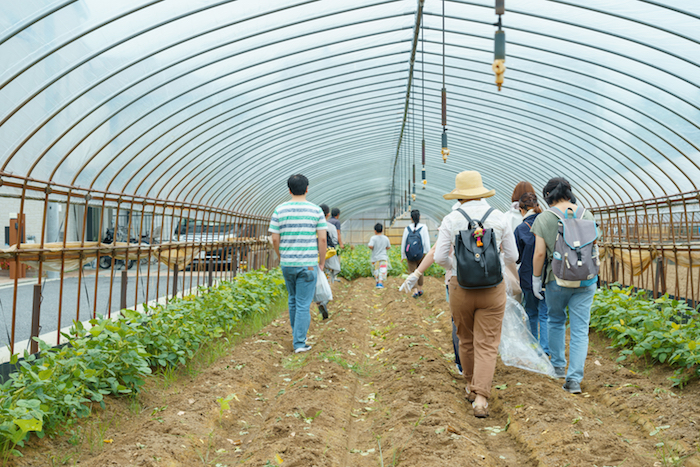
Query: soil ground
[[379, 388]]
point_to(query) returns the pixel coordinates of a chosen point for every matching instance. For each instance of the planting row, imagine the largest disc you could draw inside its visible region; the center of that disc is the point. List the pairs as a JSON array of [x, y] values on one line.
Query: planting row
[[115, 356], [664, 330]]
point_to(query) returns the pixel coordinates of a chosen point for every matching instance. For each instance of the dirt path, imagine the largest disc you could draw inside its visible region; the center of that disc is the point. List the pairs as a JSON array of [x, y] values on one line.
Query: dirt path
[[379, 388]]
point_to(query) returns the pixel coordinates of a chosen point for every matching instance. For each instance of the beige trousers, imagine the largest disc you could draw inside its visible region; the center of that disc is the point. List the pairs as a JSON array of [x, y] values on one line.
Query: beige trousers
[[478, 315]]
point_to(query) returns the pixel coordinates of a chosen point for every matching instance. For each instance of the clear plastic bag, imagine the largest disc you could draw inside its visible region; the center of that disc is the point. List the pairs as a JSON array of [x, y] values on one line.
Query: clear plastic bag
[[323, 294], [518, 347]]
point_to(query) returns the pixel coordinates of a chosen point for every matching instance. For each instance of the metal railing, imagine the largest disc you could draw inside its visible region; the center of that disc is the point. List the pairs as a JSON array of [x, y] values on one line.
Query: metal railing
[[653, 244], [96, 252]]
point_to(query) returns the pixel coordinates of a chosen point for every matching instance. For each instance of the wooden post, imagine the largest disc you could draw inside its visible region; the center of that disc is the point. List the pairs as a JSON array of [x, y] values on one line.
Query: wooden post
[[36, 312], [125, 281], [175, 271]]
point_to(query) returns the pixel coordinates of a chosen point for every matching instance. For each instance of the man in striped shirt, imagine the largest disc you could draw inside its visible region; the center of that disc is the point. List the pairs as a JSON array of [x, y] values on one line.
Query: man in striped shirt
[[298, 231]]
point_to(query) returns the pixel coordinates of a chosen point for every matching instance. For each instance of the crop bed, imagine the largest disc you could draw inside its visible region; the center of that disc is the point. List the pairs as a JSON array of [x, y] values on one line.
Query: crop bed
[[379, 388]]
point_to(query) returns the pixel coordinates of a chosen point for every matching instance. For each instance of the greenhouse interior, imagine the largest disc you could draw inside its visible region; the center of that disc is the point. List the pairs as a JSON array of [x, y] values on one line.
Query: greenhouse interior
[[147, 152]]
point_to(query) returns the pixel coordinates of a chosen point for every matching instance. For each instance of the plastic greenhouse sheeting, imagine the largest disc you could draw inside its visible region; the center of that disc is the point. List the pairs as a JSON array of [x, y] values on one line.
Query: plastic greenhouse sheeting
[[218, 102]]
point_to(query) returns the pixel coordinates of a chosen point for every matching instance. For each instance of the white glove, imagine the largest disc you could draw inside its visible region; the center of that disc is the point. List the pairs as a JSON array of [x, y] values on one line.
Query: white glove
[[537, 287], [410, 282]]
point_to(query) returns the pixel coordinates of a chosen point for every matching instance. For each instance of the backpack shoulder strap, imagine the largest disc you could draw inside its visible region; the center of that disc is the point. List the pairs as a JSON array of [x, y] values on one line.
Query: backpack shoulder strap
[[557, 212], [418, 229], [469, 219], [483, 219]]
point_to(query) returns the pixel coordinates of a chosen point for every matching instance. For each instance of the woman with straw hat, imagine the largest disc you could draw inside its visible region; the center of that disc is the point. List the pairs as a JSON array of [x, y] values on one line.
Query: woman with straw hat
[[477, 313]]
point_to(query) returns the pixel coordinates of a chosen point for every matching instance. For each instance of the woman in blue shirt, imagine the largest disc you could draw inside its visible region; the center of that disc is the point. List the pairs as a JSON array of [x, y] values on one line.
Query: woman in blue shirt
[[525, 240]]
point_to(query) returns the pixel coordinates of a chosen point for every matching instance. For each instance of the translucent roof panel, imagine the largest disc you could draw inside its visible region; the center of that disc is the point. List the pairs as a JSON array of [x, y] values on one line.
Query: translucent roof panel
[[218, 102]]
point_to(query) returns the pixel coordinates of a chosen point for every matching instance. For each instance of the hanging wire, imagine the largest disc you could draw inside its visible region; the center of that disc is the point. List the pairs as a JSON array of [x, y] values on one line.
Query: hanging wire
[[413, 142], [445, 151], [422, 83]]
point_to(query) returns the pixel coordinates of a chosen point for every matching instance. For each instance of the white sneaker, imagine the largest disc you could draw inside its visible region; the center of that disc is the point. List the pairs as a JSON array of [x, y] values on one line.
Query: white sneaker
[[306, 348], [458, 369]]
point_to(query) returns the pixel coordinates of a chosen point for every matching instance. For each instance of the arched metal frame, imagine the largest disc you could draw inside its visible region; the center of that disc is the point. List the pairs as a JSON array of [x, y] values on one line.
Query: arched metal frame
[[635, 163]]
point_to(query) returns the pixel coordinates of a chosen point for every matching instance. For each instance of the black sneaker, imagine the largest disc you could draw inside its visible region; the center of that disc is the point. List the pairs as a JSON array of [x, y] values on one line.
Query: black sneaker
[[324, 311], [572, 386], [560, 371]]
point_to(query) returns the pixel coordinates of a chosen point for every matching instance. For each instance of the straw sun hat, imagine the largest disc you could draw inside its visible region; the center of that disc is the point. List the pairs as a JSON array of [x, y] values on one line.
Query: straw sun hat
[[468, 185]]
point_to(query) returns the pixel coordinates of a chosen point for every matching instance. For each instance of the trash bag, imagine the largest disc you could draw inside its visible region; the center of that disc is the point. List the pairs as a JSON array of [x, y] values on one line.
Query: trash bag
[[518, 347], [323, 294]]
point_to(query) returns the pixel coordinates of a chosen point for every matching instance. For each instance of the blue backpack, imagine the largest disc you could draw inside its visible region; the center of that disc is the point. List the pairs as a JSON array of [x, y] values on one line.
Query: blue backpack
[[414, 244]]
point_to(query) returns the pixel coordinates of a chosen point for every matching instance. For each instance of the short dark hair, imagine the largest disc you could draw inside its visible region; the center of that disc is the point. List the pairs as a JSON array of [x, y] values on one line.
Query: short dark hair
[[325, 209], [298, 184], [558, 189], [378, 227], [335, 212]]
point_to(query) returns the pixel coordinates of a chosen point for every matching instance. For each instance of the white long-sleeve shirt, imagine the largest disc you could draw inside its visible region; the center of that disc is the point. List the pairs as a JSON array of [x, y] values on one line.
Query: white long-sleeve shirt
[[455, 221], [424, 235]]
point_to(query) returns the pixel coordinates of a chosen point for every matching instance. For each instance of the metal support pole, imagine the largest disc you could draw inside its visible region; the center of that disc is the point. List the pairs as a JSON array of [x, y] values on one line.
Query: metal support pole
[[125, 280], [175, 271], [36, 312], [53, 222]]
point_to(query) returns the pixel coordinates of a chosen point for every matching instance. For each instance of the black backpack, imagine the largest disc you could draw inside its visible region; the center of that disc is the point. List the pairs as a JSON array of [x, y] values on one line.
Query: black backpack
[[329, 241], [478, 267], [414, 244]]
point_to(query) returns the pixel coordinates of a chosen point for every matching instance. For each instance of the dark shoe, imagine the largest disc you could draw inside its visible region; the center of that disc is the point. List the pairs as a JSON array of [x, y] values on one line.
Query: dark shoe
[[572, 386], [481, 411], [324, 311], [560, 371], [459, 368], [306, 348]]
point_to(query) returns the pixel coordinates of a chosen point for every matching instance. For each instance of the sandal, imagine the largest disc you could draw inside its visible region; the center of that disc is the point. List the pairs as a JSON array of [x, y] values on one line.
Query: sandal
[[481, 411], [471, 396], [416, 295]]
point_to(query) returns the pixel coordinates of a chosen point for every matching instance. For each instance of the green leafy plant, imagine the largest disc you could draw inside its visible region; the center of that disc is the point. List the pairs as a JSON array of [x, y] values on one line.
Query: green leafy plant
[[665, 330], [224, 404], [115, 356]]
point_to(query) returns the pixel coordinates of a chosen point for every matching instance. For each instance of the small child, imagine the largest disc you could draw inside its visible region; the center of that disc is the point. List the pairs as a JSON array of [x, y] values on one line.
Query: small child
[[379, 244]]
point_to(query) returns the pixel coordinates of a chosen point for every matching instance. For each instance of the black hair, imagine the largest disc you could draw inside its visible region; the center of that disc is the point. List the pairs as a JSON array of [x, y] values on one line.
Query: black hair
[[325, 209], [298, 184], [378, 227], [557, 189], [335, 212], [529, 201], [415, 216]]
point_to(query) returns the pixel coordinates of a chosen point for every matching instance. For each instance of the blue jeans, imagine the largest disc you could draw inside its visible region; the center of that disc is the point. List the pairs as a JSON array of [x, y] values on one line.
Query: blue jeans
[[579, 301], [301, 286], [537, 312]]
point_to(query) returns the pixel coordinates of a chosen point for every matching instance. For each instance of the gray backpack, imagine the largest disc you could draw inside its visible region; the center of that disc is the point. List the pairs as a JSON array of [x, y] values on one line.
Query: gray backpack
[[575, 258]]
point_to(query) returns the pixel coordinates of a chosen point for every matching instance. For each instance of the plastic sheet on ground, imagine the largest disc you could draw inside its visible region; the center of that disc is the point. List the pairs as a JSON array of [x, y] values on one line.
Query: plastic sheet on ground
[[518, 347]]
